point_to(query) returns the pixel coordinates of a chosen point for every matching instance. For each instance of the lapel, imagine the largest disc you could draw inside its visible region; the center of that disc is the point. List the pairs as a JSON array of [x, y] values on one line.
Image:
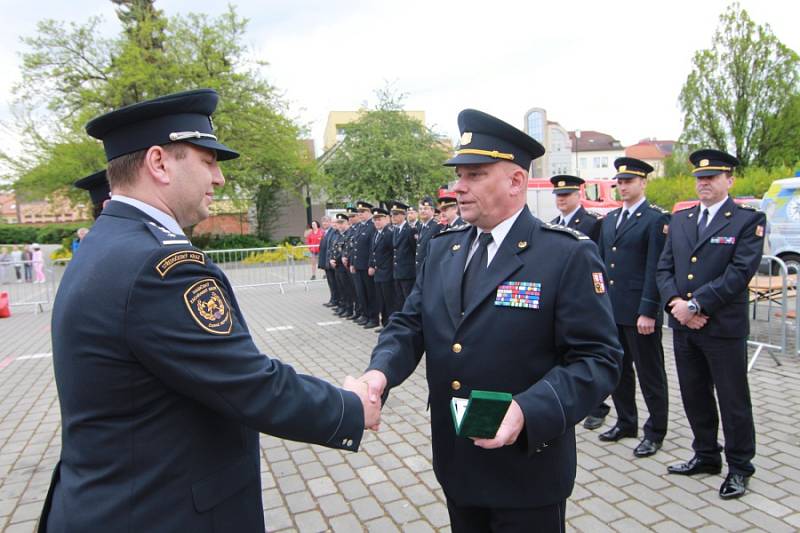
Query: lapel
[[720, 220], [505, 261], [577, 217], [633, 219], [452, 265], [610, 225]]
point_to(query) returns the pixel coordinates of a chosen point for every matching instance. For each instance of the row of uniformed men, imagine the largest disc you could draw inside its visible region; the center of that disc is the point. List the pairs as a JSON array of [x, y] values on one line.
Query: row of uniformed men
[[373, 254], [706, 299]]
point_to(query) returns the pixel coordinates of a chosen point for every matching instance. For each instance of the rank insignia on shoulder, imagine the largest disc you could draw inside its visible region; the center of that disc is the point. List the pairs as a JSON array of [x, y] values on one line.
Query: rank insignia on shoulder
[[659, 209], [207, 306], [453, 229], [163, 235], [748, 207], [759, 231], [599, 282], [564, 229], [177, 258]]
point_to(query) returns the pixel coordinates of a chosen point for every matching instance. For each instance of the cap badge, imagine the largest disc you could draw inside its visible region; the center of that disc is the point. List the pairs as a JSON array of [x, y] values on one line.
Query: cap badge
[[704, 162], [466, 138], [623, 168], [562, 183]]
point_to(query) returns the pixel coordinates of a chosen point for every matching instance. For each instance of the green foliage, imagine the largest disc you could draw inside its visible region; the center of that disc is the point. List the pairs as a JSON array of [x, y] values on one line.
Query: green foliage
[[279, 255], [69, 75], [227, 242], [47, 234], [739, 90], [387, 154]]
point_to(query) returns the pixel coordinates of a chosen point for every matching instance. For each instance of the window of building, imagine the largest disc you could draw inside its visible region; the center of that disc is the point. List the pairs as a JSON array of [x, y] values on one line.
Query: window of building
[[600, 162], [584, 163]]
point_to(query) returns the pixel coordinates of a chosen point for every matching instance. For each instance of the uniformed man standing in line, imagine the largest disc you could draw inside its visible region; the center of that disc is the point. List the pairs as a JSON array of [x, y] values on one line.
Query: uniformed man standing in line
[[162, 390], [412, 218], [99, 190], [359, 265], [404, 251], [426, 230], [631, 241], [489, 313], [380, 265], [448, 205], [338, 260], [324, 264], [712, 252], [354, 221], [572, 214]]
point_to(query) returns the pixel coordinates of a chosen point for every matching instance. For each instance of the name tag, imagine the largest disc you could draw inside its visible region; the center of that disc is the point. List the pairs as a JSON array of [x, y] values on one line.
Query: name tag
[[518, 294], [723, 240]]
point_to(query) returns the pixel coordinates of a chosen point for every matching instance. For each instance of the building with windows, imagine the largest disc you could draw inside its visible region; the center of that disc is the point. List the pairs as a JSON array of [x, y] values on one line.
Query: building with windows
[[595, 153], [653, 152], [555, 139]]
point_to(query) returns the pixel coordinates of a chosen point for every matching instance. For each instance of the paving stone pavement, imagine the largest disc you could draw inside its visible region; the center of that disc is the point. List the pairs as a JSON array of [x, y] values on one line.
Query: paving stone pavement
[[389, 485]]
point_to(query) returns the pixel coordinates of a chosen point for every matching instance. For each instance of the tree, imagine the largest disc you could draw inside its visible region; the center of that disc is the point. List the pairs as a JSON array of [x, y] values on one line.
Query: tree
[[736, 88], [70, 74], [387, 154]]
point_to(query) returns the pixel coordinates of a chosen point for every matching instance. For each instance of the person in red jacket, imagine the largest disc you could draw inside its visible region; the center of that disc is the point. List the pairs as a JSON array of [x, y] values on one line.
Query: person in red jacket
[[313, 238]]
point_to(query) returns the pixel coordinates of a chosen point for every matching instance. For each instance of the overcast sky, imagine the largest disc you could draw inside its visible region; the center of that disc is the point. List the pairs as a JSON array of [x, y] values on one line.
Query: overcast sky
[[615, 66]]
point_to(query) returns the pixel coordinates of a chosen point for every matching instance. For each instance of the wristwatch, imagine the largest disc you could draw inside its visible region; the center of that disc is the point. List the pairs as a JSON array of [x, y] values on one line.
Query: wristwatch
[[693, 306]]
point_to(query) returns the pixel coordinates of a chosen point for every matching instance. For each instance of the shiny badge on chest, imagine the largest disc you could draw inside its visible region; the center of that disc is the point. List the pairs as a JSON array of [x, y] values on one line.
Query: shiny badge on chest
[[518, 294], [208, 307]]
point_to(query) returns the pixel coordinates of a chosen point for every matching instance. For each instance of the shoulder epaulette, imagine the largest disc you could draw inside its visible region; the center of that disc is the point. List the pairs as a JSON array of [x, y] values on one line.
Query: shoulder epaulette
[[595, 214], [659, 209], [686, 208], [563, 229], [452, 229], [165, 236], [747, 206]]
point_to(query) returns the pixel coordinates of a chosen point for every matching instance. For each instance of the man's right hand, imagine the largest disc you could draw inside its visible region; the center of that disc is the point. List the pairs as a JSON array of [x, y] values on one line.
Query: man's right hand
[[376, 384], [372, 410]]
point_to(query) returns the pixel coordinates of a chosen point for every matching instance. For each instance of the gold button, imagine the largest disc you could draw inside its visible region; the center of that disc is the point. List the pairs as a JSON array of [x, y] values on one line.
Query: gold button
[[612, 265], [694, 260], [688, 294], [613, 248], [611, 282], [455, 385], [690, 276], [457, 348]]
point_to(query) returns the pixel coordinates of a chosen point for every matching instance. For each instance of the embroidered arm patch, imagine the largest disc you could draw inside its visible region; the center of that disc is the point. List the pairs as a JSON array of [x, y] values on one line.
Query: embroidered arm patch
[[173, 260], [207, 306]]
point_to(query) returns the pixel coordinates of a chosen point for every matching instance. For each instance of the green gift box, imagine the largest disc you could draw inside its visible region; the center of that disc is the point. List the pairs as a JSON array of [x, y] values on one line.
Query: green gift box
[[479, 415]]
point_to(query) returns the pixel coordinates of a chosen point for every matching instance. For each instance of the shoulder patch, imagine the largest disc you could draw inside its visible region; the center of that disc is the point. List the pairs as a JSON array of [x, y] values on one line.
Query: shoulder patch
[[563, 229], [207, 306], [163, 235], [452, 229], [659, 209], [174, 259]]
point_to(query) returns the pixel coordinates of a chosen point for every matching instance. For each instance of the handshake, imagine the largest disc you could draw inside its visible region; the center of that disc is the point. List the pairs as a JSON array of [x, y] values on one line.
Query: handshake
[[369, 388]]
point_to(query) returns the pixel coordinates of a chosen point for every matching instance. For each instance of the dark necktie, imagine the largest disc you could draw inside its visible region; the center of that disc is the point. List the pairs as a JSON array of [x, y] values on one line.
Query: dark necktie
[[624, 219], [703, 224], [470, 285], [563, 221]]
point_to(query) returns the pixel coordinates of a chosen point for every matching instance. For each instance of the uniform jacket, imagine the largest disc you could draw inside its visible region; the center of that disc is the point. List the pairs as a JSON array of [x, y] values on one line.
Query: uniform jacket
[[348, 244], [587, 223], [423, 235], [559, 356], [163, 391], [404, 252], [631, 256], [382, 255], [340, 247], [362, 243], [324, 246], [715, 270]]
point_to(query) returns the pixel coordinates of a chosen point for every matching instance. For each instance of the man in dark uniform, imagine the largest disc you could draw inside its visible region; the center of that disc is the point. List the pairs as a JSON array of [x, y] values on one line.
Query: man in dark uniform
[[359, 264], [426, 230], [99, 190], [162, 390], [631, 241], [488, 310], [572, 214], [412, 217], [323, 262], [348, 252], [380, 264], [343, 280], [448, 205], [711, 253], [403, 269]]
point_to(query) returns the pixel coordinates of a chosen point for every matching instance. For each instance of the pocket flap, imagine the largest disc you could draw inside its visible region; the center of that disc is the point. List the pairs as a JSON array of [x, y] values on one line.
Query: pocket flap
[[223, 484]]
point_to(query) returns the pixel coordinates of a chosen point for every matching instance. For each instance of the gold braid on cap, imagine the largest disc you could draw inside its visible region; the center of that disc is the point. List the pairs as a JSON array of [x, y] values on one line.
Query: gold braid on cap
[[489, 153]]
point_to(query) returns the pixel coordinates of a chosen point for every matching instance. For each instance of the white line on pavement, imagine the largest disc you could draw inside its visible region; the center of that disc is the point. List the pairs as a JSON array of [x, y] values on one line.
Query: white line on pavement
[[323, 324], [279, 328], [34, 356]]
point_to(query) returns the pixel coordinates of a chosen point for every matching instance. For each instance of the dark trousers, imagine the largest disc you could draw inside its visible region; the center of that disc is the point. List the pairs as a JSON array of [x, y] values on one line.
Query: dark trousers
[[646, 354], [384, 292], [366, 286], [402, 288], [358, 295], [330, 277], [546, 519], [704, 364], [344, 287]]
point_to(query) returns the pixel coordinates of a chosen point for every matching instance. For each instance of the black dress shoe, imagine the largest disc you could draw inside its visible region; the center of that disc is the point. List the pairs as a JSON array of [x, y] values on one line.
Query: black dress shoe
[[616, 433], [646, 448], [361, 320], [329, 304], [348, 315], [695, 466], [593, 422], [734, 486], [371, 324]]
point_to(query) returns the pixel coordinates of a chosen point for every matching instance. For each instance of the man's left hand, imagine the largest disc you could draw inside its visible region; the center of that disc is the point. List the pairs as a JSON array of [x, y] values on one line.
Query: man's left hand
[[509, 429], [645, 325]]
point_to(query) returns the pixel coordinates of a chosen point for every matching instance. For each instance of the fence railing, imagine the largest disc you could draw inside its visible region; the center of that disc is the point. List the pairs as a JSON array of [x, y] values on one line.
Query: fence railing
[[773, 310], [28, 283]]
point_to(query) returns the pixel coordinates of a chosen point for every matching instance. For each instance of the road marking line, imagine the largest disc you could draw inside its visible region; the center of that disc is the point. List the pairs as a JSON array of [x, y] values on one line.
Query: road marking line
[[323, 324], [280, 328], [35, 356]]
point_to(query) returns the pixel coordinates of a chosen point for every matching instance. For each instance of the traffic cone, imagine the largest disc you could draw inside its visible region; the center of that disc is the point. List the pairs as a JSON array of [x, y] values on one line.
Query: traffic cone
[[5, 305]]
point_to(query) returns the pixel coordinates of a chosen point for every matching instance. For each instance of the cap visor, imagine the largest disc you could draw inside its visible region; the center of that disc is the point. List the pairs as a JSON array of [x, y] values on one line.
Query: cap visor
[[223, 152], [469, 159], [626, 176], [705, 173]]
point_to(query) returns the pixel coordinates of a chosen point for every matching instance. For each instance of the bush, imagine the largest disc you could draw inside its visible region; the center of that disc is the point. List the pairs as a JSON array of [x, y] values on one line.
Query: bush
[[279, 255], [48, 234], [227, 242]]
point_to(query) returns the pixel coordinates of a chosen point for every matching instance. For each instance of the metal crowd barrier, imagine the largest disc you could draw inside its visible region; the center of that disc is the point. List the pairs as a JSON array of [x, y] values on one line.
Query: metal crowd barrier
[[770, 292], [26, 284]]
